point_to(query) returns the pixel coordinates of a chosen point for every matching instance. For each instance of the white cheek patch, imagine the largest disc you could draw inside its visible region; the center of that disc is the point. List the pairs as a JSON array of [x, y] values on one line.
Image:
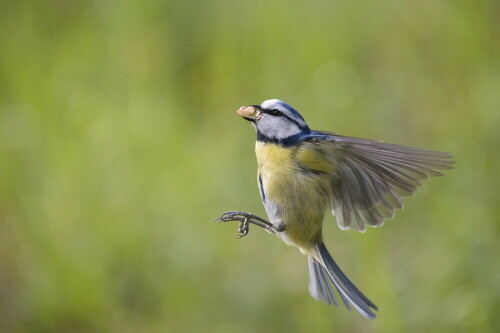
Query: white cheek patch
[[277, 128], [286, 129]]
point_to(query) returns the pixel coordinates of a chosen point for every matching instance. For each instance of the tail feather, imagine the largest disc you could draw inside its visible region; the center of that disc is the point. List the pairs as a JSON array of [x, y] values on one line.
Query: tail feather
[[319, 286], [326, 278], [329, 272]]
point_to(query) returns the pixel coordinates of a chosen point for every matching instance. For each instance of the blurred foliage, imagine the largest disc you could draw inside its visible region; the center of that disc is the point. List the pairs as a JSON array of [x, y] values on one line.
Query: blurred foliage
[[119, 145]]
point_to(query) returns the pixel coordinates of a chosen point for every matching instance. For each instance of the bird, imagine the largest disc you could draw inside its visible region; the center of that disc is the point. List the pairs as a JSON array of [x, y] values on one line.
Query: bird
[[304, 173]]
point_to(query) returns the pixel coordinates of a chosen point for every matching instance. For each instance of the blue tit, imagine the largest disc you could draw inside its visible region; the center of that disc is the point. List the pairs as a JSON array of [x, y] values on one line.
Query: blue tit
[[303, 173]]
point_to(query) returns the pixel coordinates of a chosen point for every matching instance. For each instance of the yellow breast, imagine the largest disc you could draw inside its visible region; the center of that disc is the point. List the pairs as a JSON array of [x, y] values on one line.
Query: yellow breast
[[277, 170], [301, 195], [273, 158]]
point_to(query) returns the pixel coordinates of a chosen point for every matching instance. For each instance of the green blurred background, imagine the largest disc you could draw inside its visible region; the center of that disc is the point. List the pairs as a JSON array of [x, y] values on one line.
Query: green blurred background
[[119, 145]]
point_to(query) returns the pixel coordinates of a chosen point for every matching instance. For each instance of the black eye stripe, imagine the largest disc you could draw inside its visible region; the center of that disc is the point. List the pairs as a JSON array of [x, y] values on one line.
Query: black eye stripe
[[281, 114], [273, 112]]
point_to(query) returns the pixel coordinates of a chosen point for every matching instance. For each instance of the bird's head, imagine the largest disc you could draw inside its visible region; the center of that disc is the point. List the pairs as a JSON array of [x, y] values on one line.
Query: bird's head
[[274, 120]]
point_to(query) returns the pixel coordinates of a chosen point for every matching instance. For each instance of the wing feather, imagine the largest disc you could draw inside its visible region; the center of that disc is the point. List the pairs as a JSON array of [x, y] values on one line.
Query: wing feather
[[370, 178]]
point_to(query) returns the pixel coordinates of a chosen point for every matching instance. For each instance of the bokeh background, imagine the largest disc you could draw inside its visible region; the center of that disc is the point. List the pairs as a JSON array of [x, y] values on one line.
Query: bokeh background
[[119, 145]]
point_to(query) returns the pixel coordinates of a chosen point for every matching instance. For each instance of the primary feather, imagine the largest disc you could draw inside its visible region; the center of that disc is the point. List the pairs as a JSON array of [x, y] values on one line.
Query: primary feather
[[371, 177]]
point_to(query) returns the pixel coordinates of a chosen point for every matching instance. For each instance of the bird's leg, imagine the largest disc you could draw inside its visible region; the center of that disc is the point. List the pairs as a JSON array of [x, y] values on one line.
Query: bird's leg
[[246, 218], [279, 226]]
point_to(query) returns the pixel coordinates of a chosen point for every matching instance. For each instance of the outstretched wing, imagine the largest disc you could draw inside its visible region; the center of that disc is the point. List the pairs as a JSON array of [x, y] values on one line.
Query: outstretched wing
[[370, 177]]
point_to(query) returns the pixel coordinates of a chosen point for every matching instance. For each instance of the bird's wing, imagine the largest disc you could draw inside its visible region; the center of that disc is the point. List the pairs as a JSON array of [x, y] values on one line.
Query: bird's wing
[[369, 178]]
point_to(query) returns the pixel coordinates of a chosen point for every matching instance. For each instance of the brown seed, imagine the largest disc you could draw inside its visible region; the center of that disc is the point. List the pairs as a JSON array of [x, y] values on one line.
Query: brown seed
[[246, 111]]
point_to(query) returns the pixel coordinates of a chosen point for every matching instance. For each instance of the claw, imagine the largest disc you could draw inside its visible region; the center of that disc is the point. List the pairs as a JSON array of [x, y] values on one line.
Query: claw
[[230, 216], [243, 229], [244, 218]]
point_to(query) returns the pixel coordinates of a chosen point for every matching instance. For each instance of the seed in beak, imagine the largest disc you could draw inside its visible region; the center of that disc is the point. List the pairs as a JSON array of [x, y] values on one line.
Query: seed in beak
[[248, 112]]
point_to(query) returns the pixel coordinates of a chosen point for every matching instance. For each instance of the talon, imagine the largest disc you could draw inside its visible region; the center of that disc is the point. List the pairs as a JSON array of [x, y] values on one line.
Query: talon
[[243, 229], [245, 219], [242, 234], [230, 216]]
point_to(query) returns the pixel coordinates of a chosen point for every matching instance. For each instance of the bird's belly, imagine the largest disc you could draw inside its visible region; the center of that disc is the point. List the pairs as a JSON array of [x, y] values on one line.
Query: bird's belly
[[292, 196]]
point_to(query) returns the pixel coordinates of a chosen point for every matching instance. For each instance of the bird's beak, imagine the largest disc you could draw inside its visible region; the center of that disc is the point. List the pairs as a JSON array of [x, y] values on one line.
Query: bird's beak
[[250, 113]]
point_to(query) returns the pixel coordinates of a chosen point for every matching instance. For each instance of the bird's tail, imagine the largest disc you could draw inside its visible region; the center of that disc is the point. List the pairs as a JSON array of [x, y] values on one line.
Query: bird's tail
[[324, 274]]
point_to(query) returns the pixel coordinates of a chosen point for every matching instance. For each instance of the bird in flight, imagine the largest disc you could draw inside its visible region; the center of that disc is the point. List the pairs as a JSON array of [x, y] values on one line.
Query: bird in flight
[[303, 173]]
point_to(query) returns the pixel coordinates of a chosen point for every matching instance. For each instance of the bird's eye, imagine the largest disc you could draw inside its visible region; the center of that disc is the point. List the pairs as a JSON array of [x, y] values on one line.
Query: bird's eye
[[276, 113]]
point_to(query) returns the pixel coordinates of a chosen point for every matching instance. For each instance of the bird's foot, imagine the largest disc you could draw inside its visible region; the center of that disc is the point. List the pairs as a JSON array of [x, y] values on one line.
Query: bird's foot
[[245, 218]]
